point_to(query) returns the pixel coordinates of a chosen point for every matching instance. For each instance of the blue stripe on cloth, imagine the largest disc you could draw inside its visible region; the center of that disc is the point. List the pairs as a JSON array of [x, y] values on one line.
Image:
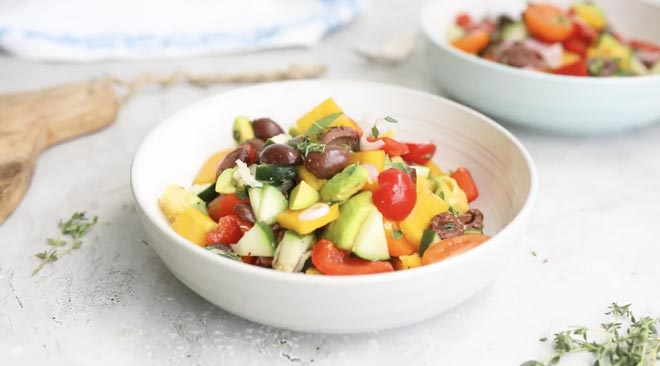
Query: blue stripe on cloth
[[335, 14]]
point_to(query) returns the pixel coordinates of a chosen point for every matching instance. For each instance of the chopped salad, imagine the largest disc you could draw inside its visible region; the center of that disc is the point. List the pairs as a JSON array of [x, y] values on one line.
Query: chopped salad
[[326, 198], [577, 41]]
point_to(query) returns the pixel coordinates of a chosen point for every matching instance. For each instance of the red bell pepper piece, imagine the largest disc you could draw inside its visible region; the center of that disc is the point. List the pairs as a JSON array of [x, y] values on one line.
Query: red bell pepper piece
[[230, 230], [223, 205], [331, 260], [465, 182], [578, 68]]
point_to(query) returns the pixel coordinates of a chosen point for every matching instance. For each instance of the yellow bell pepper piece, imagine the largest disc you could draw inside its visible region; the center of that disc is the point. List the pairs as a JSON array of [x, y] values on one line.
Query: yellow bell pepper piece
[[397, 159], [610, 47], [193, 225], [591, 14], [375, 158], [326, 108], [428, 205], [434, 168], [290, 219], [425, 184], [310, 178], [206, 174], [409, 261], [568, 58]]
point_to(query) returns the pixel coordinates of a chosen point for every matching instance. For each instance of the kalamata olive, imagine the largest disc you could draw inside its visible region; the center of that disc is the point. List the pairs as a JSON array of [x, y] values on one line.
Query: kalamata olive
[[341, 136], [257, 144], [280, 154], [472, 219], [446, 225], [244, 211], [241, 153], [265, 128], [328, 163]]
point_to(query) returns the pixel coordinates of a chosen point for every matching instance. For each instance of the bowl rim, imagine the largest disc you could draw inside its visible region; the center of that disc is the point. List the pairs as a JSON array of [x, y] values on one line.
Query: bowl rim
[[436, 39], [297, 278]]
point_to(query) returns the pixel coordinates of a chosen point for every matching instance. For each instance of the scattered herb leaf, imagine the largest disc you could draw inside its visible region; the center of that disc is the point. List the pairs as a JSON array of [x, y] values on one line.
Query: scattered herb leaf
[[307, 146], [76, 227], [629, 341], [321, 124], [56, 242], [391, 119], [452, 210], [374, 131], [533, 253]]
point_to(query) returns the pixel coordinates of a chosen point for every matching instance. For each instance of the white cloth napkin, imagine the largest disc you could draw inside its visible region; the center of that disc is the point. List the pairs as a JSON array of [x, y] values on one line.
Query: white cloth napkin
[[92, 30]]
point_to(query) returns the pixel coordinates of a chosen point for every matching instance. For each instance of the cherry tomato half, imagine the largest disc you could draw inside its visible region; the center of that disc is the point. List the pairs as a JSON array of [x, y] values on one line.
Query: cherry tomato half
[[331, 260], [419, 153], [577, 68], [452, 246], [396, 194]]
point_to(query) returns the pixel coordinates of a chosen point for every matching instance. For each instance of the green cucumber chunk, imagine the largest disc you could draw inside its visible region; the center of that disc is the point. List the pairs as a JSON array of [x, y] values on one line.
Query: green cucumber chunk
[[428, 237], [290, 251], [371, 242], [271, 203], [257, 242], [275, 173]]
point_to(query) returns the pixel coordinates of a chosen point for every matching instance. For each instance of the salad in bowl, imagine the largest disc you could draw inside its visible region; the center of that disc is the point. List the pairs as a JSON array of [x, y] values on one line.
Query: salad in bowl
[[328, 197], [576, 41]]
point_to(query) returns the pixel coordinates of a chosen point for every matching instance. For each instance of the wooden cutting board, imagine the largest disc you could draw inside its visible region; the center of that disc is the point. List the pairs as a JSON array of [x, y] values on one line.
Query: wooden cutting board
[[31, 122]]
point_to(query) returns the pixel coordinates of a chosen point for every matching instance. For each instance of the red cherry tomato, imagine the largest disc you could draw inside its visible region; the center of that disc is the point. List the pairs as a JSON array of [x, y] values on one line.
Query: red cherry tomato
[[230, 230], [223, 205], [578, 68], [419, 153], [466, 183], [331, 260], [396, 194], [463, 20]]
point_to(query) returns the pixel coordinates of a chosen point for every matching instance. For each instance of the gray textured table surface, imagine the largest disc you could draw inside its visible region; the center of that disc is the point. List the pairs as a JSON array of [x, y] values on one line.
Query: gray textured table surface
[[595, 231]]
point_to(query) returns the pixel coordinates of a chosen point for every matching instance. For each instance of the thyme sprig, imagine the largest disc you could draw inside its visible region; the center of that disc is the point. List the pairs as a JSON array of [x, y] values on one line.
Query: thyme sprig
[[629, 341], [76, 227]]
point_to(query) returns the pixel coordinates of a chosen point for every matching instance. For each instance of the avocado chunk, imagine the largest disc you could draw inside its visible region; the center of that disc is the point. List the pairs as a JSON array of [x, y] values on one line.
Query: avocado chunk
[[371, 242], [242, 130], [225, 182], [303, 196], [514, 32], [176, 199], [344, 184], [352, 214]]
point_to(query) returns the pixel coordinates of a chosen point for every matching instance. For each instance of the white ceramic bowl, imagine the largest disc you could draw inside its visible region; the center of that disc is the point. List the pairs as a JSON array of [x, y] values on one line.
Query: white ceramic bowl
[[560, 104], [503, 170]]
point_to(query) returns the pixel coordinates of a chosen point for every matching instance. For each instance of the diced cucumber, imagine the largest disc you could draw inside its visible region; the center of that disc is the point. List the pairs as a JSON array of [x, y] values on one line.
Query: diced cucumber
[[225, 183], [255, 199], [514, 32], [271, 203], [257, 242], [208, 194], [276, 173], [371, 242], [428, 237], [421, 171], [290, 251], [282, 138]]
